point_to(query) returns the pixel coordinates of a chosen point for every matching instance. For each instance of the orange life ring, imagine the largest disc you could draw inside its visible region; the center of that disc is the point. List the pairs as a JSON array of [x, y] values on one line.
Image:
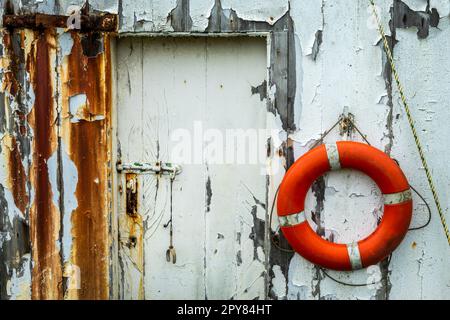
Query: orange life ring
[[345, 154]]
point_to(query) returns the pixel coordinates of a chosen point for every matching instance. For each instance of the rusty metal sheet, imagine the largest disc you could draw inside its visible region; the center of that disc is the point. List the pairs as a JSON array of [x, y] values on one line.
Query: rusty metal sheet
[[103, 22], [44, 214], [14, 186], [55, 153], [86, 137]]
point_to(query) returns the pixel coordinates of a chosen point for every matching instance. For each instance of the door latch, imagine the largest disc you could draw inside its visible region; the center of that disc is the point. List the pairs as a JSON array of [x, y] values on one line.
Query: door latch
[[131, 194], [149, 168]]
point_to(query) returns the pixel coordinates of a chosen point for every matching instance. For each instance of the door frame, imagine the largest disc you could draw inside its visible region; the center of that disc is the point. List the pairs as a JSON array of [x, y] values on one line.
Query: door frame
[[278, 90]]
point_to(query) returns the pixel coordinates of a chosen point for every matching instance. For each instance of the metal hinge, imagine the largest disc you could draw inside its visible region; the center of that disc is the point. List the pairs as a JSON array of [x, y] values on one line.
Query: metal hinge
[[149, 168]]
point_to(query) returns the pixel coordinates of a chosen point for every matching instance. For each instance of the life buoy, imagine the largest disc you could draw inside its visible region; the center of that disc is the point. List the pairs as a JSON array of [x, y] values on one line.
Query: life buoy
[[345, 154]]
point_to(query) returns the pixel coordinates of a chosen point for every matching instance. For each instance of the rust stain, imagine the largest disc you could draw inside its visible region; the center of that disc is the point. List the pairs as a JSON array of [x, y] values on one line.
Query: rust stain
[[132, 229], [100, 22], [83, 112], [10, 63], [131, 194], [17, 177], [89, 147], [135, 245], [86, 70], [44, 216]]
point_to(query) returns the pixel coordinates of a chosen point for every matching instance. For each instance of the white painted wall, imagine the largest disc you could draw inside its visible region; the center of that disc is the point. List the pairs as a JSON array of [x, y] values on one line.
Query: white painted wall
[[349, 72], [420, 266]]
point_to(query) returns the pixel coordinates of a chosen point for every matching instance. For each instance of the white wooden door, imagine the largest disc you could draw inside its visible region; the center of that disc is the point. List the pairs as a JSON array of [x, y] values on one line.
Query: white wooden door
[[174, 92]]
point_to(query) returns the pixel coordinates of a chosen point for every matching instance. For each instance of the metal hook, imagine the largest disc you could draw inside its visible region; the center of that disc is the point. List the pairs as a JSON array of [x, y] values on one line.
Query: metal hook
[[346, 120], [167, 224], [171, 255]]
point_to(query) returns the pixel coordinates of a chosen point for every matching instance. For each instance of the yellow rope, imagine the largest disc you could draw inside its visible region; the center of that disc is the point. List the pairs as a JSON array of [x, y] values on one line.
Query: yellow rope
[[411, 122]]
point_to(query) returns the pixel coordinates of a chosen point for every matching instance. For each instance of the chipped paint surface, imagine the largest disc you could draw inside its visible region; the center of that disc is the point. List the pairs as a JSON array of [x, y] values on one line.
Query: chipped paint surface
[[424, 72], [44, 215], [218, 220], [55, 204], [87, 143], [323, 58]]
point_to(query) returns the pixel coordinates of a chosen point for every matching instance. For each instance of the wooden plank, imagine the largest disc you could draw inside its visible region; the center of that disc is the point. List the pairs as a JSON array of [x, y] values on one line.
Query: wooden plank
[[174, 99], [236, 208], [130, 139]]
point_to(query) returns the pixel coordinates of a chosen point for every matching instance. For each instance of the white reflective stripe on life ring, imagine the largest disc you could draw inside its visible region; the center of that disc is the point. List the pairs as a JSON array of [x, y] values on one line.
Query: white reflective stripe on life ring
[[333, 156], [396, 198], [292, 219], [354, 255]]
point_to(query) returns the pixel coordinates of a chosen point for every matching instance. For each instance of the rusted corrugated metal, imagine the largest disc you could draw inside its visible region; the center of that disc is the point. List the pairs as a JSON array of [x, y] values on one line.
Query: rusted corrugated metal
[[15, 152], [16, 139], [86, 136], [56, 156], [104, 22], [44, 215]]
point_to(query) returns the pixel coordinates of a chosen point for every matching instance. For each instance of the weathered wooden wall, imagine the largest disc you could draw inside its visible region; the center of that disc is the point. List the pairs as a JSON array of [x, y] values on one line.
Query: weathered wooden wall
[[326, 55]]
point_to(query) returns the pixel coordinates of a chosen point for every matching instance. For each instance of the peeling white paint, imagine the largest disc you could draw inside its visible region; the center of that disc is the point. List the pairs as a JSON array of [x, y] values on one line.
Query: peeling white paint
[[70, 182], [299, 282], [279, 283], [200, 11], [422, 258], [19, 284], [258, 10], [111, 6], [4, 237], [144, 15], [416, 5], [13, 211], [347, 72], [442, 6], [79, 106], [65, 42], [76, 105]]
